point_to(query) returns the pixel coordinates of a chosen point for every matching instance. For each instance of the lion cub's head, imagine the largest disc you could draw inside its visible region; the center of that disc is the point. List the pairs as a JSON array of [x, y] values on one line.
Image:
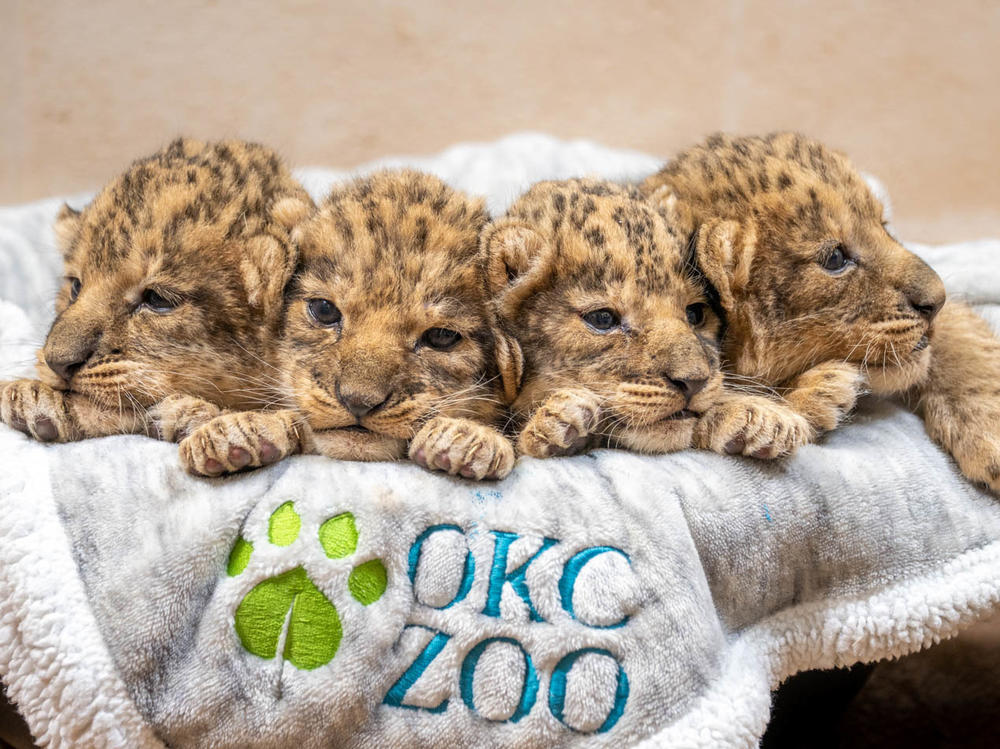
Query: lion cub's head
[[592, 282], [795, 244], [174, 276], [387, 319]]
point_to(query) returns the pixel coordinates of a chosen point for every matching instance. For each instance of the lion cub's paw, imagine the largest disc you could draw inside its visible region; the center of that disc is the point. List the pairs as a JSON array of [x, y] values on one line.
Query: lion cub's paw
[[754, 426], [826, 394], [36, 409], [979, 460], [970, 431], [177, 416], [463, 447], [236, 441], [561, 425]]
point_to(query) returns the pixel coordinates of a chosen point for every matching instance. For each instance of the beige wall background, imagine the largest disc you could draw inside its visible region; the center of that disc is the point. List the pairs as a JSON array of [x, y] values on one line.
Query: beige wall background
[[910, 89]]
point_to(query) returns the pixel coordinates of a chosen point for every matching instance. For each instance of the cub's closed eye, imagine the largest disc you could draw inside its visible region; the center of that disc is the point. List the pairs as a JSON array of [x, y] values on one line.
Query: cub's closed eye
[[602, 320], [441, 339], [324, 312], [696, 313], [836, 261], [75, 284], [157, 302]]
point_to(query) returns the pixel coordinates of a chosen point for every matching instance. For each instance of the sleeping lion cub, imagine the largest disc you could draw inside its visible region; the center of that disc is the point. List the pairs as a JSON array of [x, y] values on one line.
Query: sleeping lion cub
[[172, 295], [818, 297], [618, 343], [389, 343]]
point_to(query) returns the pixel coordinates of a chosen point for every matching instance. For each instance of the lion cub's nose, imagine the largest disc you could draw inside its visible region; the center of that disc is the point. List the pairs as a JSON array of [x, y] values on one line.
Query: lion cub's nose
[[689, 386], [360, 404], [926, 305], [70, 343], [66, 363], [924, 290]]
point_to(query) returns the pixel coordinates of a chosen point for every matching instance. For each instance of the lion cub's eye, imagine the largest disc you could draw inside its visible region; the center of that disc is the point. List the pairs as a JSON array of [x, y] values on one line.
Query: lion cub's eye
[[602, 319], [156, 301], [75, 284], [324, 312], [696, 313], [836, 261], [440, 338]]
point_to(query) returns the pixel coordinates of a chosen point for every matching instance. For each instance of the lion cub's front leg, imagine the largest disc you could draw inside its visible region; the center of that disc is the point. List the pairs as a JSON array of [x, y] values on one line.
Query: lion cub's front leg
[[36, 409], [751, 425], [51, 415], [243, 439], [561, 425], [463, 447], [826, 394], [960, 400], [177, 416], [815, 402]]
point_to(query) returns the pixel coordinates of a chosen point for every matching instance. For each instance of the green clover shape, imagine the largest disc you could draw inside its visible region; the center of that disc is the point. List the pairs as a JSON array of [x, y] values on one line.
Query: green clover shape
[[314, 630]]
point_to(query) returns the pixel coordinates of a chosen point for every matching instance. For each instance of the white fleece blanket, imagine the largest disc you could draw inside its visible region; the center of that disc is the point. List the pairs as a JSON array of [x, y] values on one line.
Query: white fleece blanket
[[604, 600]]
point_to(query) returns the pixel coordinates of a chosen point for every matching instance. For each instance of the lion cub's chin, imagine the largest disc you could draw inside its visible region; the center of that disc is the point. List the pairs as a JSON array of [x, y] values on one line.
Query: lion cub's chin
[[358, 443], [373, 425], [898, 379], [667, 435]]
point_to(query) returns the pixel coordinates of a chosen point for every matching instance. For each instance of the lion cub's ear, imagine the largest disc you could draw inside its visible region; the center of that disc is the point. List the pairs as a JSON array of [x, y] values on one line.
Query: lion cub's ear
[[66, 227], [517, 262], [290, 212], [268, 264], [510, 361], [723, 249], [724, 253], [676, 213]]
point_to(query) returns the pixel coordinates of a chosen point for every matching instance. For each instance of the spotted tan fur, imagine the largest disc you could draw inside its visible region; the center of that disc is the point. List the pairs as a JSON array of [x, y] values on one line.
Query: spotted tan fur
[[566, 250], [397, 255], [204, 229], [764, 215]]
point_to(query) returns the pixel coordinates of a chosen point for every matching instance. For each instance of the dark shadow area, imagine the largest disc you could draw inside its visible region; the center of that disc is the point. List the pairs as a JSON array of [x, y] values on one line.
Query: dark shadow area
[[13, 730], [945, 697], [806, 710]]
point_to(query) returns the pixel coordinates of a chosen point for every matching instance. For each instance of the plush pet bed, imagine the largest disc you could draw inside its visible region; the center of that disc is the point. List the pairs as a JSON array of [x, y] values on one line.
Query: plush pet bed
[[602, 600]]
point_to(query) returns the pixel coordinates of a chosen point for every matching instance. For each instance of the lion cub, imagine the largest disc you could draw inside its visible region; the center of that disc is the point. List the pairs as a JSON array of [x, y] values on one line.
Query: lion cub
[[172, 295], [818, 297], [389, 342], [618, 342]]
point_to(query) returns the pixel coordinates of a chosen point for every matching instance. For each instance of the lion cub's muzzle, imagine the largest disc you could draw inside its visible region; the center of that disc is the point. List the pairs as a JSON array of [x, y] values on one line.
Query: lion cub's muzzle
[[68, 347], [923, 291], [900, 339], [360, 403], [364, 407], [649, 400]]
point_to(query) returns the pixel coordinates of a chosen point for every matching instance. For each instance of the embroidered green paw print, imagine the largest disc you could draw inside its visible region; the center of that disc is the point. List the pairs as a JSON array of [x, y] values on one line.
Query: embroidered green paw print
[[313, 630]]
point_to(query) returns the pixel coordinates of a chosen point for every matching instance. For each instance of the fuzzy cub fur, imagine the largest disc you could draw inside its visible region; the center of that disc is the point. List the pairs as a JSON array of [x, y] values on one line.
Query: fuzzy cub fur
[[960, 399], [819, 298], [618, 342], [389, 343], [172, 295]]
